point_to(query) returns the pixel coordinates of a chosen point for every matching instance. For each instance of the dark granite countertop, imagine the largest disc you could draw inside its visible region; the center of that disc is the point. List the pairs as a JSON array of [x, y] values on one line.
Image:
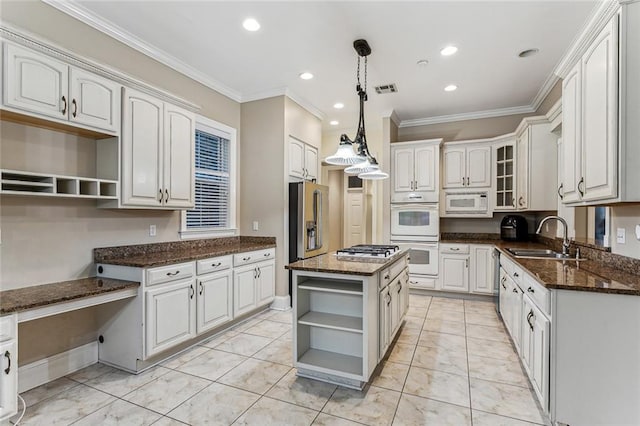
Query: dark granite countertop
[[589, 275], [331, 264], [150, 255], [23, 299]]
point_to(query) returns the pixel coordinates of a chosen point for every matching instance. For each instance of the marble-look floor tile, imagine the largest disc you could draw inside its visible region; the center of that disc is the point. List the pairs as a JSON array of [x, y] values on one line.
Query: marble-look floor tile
[[247, 324], [408, 335], [445, 387], [267, 328], [401, 352], [419, 301], [270, 412], [497, 370], [445, 315], [120, 383], [244, 344], [480, 418], [414, 411], [90, 372], [212, 365], [66, 407], [491, 349], [441, 359], [372, 406], [254, 375], [491, 320], [446, 301], [216, 340], [279, 351], [450, 342], [505, 400], [442, 326], [390, 375], [120, 413], [413, 322], [479, 307], [168, 421], [415, 311], [179, 359], [215, 405], [167, 392], [282, 316], [324, 419], [301, 391], [47, 390], [497, 334]]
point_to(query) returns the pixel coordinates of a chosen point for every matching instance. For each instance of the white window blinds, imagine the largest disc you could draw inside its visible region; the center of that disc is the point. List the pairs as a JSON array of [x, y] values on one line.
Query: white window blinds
[[212, 201]]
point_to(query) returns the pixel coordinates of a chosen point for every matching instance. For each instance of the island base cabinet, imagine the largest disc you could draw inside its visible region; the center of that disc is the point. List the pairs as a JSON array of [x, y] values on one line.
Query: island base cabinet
[[214, 300], [8, 367], [171, 315]]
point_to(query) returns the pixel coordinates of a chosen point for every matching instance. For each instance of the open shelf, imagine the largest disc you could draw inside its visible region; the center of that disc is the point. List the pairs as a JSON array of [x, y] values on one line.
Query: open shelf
[[27, 183], [332, 361], [332, 321], [332, 286]]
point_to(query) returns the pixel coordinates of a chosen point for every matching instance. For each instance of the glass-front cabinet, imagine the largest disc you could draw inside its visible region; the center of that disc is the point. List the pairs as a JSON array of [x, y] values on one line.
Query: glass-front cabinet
[[505, 175]]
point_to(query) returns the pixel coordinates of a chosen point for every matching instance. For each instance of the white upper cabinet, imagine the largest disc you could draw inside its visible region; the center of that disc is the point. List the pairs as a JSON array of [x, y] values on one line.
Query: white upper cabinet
[[571, 139], [522, 162], [506, 174], [157, 153], [41, 86], [303, 160], [467, 166], [415, 171]]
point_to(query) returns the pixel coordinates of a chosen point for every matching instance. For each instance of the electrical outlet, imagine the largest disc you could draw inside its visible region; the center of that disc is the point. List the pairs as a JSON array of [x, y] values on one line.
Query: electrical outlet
[[621, 235], [152, 230], [255, 225]]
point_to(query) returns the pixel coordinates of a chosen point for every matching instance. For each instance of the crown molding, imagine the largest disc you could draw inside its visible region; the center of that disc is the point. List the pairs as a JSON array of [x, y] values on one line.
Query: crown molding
[[524, 109], [544, 90], [82, 14], [555, 110], [304, 103], [600, 16]]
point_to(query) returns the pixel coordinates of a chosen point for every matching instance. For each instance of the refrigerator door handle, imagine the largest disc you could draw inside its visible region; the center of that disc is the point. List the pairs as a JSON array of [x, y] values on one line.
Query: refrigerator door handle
[[317, 216]]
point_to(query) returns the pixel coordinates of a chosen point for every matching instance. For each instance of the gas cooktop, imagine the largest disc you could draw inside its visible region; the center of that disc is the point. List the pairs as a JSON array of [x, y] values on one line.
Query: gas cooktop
[[368, 251]]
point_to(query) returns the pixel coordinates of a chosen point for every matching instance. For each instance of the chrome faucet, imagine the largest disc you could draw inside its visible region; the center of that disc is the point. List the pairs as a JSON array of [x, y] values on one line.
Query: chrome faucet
[[565, 240]]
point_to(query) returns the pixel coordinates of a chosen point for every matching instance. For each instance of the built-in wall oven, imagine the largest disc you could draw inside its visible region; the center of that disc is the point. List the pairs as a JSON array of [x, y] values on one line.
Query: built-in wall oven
[[423, 258], [415, 222]]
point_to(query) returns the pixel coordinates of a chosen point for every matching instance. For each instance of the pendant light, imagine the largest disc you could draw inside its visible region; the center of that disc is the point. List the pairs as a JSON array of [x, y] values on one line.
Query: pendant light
[[363, 163]]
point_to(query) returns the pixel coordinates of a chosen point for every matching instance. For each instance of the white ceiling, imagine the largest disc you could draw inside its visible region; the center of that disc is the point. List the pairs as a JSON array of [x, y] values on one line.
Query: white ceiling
[[207, 41]]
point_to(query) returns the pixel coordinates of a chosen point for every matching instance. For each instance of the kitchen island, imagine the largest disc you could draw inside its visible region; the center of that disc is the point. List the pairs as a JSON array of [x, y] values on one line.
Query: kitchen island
[[345, 315]]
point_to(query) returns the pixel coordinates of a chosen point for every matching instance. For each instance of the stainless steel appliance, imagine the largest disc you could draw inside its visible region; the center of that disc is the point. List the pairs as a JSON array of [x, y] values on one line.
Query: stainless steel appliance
[[308, 220], [514, 228], [415, 222], [423, 258], [466, 202], [375, 251]]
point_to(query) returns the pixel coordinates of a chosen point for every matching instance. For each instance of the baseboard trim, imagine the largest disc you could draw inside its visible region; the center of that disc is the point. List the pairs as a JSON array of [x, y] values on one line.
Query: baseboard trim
[[281, 303], [45, 370]]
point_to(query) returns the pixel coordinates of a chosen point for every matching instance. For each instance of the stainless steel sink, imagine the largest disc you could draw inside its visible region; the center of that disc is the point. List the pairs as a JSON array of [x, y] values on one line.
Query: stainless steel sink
[[540, 254]]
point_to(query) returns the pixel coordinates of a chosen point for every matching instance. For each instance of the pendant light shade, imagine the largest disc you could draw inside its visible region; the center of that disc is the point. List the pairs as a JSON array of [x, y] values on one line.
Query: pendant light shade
[[345, 155], [363, 167], [374, 175]]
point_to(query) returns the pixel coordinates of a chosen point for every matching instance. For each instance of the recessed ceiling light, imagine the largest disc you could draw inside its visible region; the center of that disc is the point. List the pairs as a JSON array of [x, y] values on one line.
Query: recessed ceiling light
[[422, 63], [528, 52], [448, 51], [450, 88], [251, 24], [338, 105], [334, 122], [306, 76]]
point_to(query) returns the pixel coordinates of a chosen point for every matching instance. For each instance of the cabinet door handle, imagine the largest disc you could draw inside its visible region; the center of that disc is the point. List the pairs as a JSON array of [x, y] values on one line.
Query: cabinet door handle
[[192, 291], [559, 194], [581, 191], [255, 273], [530, 290], [7, 355], [246, 258], [75, 108], [172, 274], [201, 288], [463, 181], [166, 195], [468, 181], [503, 286], [400, 288], [64, 108], [160, 196], [520, 203], [215, 265], [529, 318], [259, 272], [513, 201], [388, 299]]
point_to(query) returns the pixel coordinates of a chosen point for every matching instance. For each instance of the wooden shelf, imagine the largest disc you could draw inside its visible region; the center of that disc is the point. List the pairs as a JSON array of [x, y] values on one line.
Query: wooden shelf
[[332, 321], [332, 361], [332, 286], [40, 184]]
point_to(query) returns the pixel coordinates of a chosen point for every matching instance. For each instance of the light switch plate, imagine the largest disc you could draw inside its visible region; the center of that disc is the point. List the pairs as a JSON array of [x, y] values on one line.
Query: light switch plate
[[621, 235], [152, 230], [638, 232], [255, 225]]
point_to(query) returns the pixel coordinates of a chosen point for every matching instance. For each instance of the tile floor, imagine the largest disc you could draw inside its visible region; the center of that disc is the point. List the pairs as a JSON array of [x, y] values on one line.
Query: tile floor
[[452, 364]]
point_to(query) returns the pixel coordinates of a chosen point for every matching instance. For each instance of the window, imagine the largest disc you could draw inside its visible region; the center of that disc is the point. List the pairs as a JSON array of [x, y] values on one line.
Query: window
[[214, 213]]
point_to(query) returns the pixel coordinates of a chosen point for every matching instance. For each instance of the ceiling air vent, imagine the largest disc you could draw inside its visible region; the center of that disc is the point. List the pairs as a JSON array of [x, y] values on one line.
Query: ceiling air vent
[[386, 88]]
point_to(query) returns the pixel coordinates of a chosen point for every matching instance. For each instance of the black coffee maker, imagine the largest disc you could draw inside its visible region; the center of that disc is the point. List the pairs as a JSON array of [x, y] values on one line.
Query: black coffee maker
[[514, 228]]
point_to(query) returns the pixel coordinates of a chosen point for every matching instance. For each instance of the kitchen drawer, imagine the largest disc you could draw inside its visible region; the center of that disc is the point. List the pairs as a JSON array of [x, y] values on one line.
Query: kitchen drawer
[[8, 327], [253, 256], [454, 248], [539, 294], [389, 274], [422, 282], [168, 273], [512, 269], [213, 264]]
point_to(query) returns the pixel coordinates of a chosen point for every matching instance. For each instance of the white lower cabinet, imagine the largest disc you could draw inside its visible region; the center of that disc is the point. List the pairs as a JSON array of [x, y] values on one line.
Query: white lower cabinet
[[481, 269], [244, 289], [535, 348], [8, 367], [266, 286], [463, 268], [214, 300], [171, 315], [454, 272]]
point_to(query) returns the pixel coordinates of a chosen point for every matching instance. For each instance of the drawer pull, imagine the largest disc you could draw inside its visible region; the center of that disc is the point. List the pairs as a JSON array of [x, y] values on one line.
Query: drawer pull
[[173, 274], [7, 355], [454, 249], [215, 265], [515, 274], [515, 290], [386, 277], [267, 254], [246, 258], [413, 282], [530, 290]]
